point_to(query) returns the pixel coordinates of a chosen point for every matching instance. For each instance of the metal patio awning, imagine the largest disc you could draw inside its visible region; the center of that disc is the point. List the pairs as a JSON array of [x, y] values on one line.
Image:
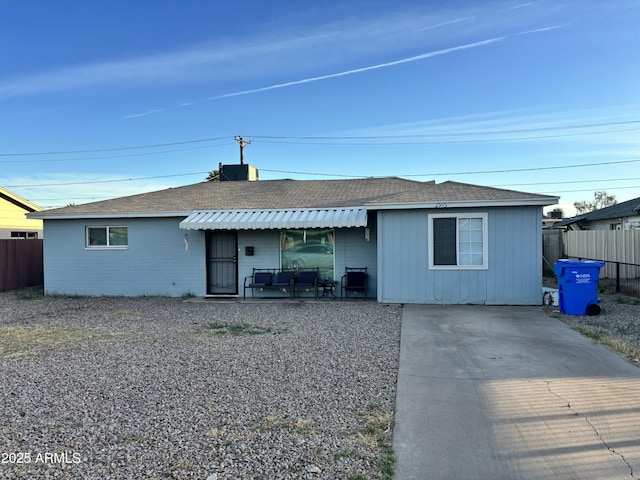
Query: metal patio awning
[[275, 219]]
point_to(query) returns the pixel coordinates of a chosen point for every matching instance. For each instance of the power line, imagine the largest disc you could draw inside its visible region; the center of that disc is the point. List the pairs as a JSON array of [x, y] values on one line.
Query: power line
[[441, 142], [589, 190], [104, 181], [450, 134], [113, 149], [599, 180], [363, 137], [109, 157], [319, 174], [511, 170]]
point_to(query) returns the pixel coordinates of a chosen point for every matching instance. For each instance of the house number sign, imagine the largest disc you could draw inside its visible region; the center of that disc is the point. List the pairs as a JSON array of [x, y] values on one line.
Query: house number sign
[[441, 205]]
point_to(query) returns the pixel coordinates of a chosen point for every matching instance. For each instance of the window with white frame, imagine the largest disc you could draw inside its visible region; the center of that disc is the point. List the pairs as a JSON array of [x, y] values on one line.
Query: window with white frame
[[458, 241], [23, 235], [107, 237]]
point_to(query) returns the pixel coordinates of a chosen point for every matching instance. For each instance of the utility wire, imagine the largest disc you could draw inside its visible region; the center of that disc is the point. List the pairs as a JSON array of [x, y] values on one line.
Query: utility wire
[[450, 134], [439, 142], [111, 156], [555, 167], [599, 180], [362, 137], [555, 192], [587, 190], [114, 148], [105, 181]]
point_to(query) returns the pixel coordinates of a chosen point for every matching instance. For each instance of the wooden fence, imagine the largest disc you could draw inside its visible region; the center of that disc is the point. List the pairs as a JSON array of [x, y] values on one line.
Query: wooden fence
[[553, 247], [20, 264]]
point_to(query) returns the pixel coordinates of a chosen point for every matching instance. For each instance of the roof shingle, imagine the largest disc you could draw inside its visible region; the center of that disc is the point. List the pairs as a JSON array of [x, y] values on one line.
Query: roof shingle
[[282, 194]]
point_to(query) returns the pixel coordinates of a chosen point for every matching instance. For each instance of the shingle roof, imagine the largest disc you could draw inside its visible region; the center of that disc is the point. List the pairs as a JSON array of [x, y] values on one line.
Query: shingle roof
[[282, 194], [459, 192], [629, 208]]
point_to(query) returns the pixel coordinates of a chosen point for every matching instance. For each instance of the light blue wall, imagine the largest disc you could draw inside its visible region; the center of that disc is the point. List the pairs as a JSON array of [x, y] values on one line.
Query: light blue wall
[[266, 254], [351, 249], [514, 276], [155, 263]]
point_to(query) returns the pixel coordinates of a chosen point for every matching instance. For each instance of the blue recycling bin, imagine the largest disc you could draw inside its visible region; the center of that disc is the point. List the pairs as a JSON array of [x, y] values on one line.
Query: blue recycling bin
[[578, 286]]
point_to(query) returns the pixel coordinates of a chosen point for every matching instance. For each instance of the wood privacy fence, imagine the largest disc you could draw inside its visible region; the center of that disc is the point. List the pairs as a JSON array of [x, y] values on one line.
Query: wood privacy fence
[[552, 249], [20, 264]]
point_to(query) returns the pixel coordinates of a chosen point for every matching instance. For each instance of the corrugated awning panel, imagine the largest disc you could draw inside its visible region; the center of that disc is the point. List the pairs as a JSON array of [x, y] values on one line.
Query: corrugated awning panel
[[275, 219]]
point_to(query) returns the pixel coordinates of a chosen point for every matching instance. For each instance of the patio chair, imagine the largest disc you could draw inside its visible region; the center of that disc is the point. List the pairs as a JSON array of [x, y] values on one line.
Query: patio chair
[[284, 279], [354, 280], [258, 280], [307, 279]]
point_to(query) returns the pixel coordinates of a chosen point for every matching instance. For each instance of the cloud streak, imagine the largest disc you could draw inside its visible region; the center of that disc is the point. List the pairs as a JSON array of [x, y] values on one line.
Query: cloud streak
[[268, 51], [538, 30], [363, 69], [144, 114]]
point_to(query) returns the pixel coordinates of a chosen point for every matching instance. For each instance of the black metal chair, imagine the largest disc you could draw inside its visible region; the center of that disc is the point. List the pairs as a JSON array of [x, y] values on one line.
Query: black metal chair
[[354, 280]]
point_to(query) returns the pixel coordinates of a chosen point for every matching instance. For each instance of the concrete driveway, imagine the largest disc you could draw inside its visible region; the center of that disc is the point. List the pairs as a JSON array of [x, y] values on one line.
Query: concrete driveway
[[509, 393]]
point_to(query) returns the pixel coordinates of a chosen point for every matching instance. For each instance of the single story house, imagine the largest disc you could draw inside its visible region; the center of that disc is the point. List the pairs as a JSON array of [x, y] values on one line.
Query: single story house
[[13, 221], [421, 242], [621, 216]]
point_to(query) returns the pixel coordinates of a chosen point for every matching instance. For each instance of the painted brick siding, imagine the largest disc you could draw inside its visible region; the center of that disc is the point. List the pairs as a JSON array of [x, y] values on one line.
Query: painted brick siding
[[155, 262]]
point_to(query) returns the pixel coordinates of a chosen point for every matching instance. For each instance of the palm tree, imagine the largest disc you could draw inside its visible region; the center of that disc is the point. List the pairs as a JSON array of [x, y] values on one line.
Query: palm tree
[[213, 176]]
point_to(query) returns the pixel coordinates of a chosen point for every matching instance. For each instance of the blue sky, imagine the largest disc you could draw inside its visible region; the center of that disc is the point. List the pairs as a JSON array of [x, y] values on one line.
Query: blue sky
[[538, 96]]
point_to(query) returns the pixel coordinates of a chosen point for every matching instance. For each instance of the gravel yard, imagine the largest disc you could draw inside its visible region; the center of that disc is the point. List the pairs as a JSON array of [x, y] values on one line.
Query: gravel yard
[[619, 320], [163, 388]]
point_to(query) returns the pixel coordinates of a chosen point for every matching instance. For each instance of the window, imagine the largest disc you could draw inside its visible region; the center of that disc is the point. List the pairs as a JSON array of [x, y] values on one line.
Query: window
[[107, 237], [304, 249], [24, 235], [458, 241]]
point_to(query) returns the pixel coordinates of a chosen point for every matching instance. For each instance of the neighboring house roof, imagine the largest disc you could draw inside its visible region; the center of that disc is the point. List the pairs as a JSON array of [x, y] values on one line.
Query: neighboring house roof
[[629, 208], [370, 193], [18, 201]]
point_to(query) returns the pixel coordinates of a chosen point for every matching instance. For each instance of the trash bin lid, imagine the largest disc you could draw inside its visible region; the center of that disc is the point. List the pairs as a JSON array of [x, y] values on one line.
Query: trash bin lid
[[565, 262]]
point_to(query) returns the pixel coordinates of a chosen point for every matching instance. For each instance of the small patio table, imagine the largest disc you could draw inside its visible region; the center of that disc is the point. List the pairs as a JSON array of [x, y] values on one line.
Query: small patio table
[[327, 289]]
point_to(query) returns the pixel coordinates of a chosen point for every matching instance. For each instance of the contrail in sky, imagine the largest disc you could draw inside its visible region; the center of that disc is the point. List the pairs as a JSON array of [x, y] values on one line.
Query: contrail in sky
[[363, 69], [144, 114]]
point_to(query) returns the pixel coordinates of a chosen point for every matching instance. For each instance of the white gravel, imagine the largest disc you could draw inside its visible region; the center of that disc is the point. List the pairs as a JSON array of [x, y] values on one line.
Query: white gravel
[[141, 388], [619, 318]]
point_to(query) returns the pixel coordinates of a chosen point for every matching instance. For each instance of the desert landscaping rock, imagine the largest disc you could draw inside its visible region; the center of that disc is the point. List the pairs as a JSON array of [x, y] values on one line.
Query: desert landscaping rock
[[619, 318], [155, 388]]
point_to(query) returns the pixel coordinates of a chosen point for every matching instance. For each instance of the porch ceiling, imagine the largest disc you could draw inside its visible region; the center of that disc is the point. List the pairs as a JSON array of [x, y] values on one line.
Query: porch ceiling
[[275, 219]]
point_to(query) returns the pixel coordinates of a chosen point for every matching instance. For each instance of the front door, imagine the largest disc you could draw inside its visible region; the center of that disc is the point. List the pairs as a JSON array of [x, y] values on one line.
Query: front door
[[222, 262]]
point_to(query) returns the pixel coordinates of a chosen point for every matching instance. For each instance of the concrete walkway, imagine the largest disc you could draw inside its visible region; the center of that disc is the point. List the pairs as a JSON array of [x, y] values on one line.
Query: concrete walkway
[[510, 393]]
